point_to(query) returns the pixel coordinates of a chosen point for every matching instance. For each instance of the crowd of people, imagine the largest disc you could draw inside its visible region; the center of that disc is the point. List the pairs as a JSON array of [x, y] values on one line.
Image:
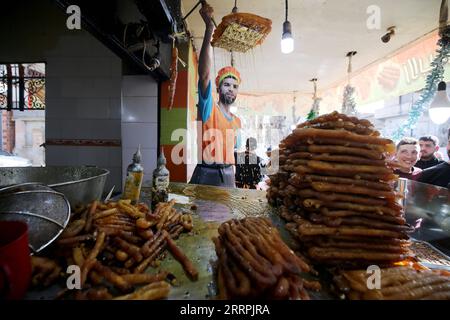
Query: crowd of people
[[422, 161], [418, 160]]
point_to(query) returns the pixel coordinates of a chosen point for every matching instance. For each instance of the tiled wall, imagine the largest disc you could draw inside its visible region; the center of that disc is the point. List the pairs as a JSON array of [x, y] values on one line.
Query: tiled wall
[[83, 102], [83, 86], [140, 122]]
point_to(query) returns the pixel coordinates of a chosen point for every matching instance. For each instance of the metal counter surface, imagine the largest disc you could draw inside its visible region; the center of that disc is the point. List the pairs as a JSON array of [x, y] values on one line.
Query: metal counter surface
[[215, 205]]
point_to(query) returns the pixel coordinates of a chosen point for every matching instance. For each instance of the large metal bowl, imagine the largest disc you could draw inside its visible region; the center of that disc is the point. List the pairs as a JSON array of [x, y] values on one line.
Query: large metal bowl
[[79, 184]]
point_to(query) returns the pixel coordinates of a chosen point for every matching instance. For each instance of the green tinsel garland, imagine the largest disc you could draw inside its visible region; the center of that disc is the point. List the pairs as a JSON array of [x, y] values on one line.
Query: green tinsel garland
[[435, 76]]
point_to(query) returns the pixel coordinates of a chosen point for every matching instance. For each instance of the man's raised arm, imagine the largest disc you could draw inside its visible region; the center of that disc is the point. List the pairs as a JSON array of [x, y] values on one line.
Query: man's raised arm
[[204, 65]]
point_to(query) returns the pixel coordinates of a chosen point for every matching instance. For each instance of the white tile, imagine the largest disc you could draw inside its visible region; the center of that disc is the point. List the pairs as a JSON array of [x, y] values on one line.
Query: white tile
[[96, 48], [93, 156], [114, 156], [61, 156], [107, 129], [115, 67], [78, 108], [72, 44], [139, 86], [53, 88], [145, 134], [95, 67], [114, 179], [107, 87], [56, 67], [140, 109], [73, 129], [90, 129], [90, 87], [93, 108], [79, 66], [53, 129], [78, 87], [60, 108], [81, 43], [115, 108]]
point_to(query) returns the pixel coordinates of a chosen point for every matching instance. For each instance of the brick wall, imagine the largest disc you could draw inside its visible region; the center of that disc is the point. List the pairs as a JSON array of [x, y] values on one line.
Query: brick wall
[[8, 131]]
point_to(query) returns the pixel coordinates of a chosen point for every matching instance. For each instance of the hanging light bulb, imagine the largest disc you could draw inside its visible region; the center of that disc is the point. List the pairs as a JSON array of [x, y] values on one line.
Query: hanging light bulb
[[439, 110], [287, 42]]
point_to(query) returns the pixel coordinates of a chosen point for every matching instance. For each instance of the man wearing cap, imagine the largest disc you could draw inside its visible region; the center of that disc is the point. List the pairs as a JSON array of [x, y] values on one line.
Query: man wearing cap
[[220, 128]]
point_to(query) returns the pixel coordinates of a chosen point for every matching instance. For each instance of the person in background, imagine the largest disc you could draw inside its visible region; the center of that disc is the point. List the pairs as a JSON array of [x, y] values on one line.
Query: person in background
[[439, 175], [269, 152], [406, 157], [219, 127], [429, 145], [248, 166]]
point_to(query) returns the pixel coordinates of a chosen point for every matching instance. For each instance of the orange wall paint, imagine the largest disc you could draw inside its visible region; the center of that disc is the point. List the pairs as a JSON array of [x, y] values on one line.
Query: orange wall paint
[[177, 172], [181, 91]]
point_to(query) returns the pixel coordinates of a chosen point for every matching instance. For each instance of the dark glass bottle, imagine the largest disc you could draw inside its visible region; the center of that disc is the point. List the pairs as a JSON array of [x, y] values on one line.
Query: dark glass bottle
[[161, 179]]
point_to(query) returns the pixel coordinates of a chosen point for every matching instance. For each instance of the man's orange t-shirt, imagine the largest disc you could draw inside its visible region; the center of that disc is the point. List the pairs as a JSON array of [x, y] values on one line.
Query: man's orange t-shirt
[[220, 134]]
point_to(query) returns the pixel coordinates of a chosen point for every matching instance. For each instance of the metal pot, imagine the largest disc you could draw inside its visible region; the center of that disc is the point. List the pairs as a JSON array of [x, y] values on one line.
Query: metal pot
[[80, 184]]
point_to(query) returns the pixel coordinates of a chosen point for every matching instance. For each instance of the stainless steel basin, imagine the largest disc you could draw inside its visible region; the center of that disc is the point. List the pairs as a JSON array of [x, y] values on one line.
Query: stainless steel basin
[[80, 184]]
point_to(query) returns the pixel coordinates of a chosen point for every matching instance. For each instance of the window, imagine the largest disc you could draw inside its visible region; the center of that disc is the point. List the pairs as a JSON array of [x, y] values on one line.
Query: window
[[22, 86]]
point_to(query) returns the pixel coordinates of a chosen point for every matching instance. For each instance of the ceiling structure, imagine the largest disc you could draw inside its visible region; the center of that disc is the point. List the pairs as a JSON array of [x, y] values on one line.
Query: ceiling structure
[[324, 31]]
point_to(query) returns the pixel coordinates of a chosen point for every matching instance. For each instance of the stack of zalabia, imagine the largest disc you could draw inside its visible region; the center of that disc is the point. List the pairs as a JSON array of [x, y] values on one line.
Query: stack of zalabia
[[114, 244], [336, 190], [397, 283], [255, 263]]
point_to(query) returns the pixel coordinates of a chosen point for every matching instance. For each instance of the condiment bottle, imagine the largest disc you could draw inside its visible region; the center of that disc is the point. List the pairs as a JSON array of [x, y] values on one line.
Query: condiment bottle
[[161, 179], [135, 175]]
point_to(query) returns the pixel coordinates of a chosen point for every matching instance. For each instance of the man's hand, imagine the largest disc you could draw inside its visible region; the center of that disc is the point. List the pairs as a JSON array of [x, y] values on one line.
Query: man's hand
[[395, 164], [207, 13]]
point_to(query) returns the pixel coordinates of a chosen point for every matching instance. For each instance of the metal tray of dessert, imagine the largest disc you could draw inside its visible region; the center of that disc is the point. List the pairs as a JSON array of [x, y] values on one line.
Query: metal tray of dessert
[[429, 256]]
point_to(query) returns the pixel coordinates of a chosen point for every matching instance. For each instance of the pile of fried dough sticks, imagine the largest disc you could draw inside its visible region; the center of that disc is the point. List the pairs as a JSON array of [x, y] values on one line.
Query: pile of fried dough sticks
[[395, 283], [113, 244], [255, 263], [337, 191]]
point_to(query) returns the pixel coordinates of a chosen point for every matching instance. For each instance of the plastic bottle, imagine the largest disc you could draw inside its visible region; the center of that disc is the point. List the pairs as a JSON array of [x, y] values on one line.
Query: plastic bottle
[[161, 180], [135, 175]]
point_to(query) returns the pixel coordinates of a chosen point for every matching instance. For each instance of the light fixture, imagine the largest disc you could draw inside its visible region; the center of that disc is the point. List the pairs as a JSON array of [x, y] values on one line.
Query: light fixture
[[439, 110], [287, 42]]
